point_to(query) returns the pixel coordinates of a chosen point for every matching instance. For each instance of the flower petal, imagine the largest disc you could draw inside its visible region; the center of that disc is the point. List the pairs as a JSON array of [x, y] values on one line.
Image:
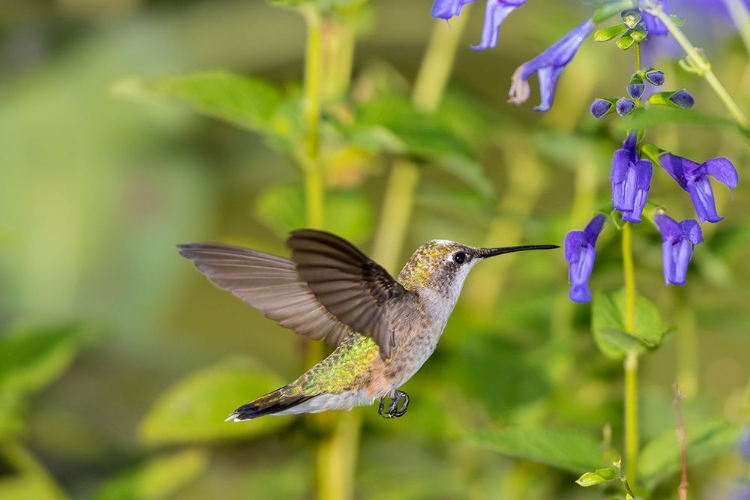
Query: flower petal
[[723, 171], [494, 14], [574, 240], [445, 9], [676, 166], [549, 65], [702, 196], [668, 227], [692, 231], [594, 227]]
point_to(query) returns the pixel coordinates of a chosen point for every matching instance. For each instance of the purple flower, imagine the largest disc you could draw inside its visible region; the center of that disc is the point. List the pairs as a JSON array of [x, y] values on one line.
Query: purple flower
[[741, 492], [624, 106], [743, 444], [653, 25], [631, 180], [654, 77], [445, 9], [693, 178], [549, 64], [580, 254], [677, 246], [682, 98], [495, 13], [600, 107]]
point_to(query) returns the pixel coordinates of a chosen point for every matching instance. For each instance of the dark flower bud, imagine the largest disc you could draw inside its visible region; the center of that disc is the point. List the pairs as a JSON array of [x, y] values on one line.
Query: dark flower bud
[[654, 77], [636, 86], [600, 107], [625, 106], [682, 98]]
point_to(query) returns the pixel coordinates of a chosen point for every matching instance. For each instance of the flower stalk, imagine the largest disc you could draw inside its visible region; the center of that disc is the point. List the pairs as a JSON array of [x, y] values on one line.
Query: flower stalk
[[700, 65], [631, 360]]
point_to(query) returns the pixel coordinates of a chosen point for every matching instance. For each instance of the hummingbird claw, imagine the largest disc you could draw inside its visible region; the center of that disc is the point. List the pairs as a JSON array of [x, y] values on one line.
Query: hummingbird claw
[[393, 411]]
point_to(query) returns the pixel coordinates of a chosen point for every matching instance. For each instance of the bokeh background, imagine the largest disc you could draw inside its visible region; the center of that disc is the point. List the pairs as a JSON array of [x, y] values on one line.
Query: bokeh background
[[98, 184]]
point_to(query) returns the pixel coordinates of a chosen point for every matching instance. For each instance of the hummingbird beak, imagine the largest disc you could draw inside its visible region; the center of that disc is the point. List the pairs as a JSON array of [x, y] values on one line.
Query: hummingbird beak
[[483, 253]]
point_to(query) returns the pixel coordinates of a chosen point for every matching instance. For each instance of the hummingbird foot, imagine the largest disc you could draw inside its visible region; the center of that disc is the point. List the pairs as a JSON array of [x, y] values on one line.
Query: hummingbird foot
[[393, 411]]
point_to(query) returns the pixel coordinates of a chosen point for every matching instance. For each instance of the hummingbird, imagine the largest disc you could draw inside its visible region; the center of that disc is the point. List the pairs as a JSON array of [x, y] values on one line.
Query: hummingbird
[[382, 329]]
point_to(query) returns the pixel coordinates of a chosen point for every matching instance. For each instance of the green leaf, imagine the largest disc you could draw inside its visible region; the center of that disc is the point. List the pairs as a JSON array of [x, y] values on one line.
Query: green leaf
[[608, 324], [677, 20], [625, 42], [26, 487], [31, 359], [705, 440], [194, 409], [606, 34], [598, 477], [471, 173], [394, 125], [247, 102], [346, 212], [158, 478], [611, 8], [568, 450]]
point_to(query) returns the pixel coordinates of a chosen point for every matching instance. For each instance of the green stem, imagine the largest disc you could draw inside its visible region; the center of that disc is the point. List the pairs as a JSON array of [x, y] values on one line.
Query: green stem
[[629, 271], [631, 360], [25, 463], [428, 91], [314, 192], [637, 51], [701, 65], [741, 18]]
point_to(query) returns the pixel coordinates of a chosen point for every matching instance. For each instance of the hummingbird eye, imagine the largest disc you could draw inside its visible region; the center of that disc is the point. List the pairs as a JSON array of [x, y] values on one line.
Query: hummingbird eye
[[459, 257]]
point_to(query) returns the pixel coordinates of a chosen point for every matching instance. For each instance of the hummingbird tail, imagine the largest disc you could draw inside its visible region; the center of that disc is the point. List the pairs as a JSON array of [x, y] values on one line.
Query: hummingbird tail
[[273, 403]]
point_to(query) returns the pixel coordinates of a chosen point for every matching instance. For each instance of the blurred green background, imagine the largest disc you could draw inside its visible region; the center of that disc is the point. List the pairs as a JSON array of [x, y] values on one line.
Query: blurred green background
[[98, 184]]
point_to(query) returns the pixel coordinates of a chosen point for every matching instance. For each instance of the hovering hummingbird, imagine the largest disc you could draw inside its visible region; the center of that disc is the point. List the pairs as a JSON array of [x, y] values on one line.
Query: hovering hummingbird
[[383, 329]]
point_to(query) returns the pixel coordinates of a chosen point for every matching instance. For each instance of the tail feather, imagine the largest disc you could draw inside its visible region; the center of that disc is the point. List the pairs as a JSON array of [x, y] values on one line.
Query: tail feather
[[272, 403]]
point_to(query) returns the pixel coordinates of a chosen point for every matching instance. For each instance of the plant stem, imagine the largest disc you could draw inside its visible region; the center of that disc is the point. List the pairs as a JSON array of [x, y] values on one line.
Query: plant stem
[[741, 18], [631, 360], [701, 65], [629, 272], [314, 192], [24, 462], [429, 88]]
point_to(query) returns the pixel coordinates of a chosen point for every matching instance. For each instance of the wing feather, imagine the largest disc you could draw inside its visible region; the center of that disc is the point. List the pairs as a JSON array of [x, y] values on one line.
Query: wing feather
[[271, 285]]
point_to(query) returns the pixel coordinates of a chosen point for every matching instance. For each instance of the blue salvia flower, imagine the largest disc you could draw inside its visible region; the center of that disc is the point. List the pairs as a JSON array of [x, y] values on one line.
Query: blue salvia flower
[[631, 180], [693, 178], [743, 445], [600, 107], [549, 65], [678, 240], [494, 14], [445, 9], [654, 77], [624, 106], [580, 254], [741, 492], [653, 25], [682, 98]]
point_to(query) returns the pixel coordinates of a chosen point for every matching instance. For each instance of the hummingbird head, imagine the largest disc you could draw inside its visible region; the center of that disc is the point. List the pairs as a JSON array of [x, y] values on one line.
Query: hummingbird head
[[443, 265]]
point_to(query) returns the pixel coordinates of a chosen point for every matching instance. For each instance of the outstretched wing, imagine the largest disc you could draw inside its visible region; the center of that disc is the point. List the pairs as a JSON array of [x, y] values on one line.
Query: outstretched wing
[[358, 291], [270, 284]]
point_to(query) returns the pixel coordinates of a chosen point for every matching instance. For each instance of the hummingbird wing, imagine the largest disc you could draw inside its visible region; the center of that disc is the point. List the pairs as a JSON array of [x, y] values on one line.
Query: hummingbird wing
[[355, 289], [270, 284]]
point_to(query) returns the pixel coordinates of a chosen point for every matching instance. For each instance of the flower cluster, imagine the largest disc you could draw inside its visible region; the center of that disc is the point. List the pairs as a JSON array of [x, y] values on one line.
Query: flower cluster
[[631, 174], [633, 164]]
